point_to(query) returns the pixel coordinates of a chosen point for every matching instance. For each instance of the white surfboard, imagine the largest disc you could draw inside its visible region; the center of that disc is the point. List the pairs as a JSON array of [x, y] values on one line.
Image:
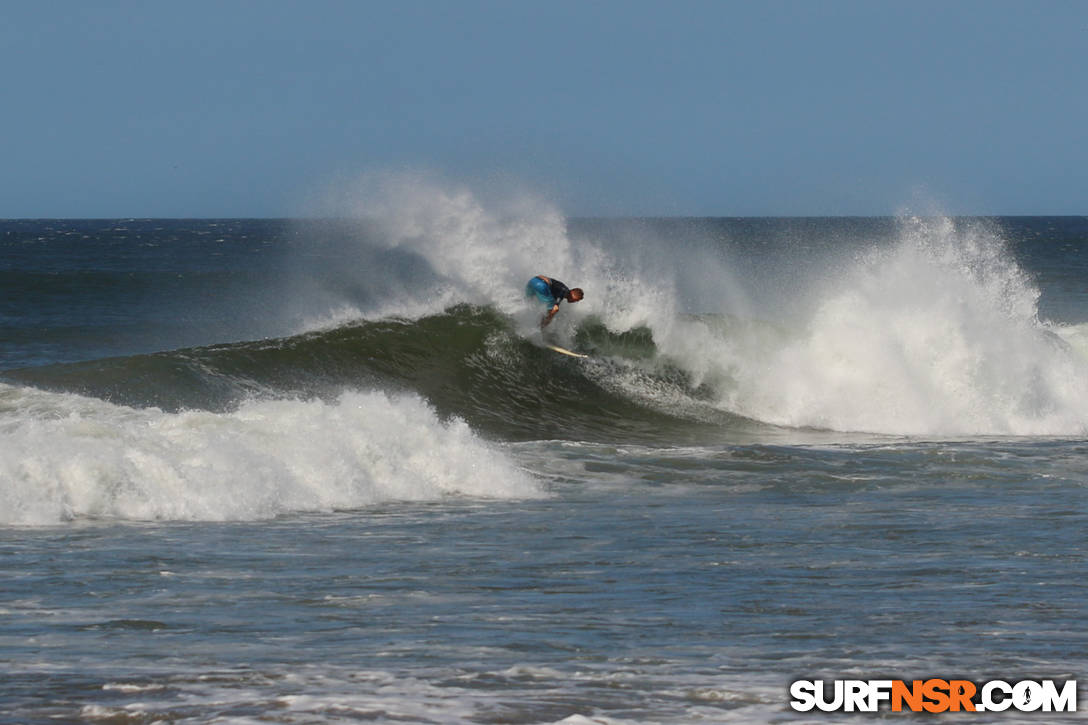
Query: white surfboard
[[565, 351]]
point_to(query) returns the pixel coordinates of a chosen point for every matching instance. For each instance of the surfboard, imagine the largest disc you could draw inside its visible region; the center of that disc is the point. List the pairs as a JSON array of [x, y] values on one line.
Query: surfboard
[[565, 351]]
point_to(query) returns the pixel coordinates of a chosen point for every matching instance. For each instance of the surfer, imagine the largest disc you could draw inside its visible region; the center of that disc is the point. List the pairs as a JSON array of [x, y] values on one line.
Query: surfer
[[551, 292]]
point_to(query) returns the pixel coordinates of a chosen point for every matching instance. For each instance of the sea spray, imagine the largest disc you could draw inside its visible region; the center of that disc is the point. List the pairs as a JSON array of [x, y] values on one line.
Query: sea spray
[[64, 456], [409, 244], [934, 334]]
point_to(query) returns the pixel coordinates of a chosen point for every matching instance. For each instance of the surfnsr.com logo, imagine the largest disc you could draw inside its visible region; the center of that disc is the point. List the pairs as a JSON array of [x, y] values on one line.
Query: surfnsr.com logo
[[933, 695]]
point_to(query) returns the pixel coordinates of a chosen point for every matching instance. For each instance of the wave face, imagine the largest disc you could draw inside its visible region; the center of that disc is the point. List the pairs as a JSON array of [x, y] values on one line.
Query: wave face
[[468, 363]]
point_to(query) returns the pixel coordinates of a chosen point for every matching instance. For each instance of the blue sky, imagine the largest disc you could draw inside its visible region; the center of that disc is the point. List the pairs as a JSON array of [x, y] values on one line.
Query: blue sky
[[607, 107]]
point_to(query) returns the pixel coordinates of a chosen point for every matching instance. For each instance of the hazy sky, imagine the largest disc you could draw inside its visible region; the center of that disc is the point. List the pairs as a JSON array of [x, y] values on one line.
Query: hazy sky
[[245, 108]]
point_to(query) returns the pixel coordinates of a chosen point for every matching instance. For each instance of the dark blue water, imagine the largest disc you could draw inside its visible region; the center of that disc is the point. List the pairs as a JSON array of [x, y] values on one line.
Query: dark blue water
[[87, 289]]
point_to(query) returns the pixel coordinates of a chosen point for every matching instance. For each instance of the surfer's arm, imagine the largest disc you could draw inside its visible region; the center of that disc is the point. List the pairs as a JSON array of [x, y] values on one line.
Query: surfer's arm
[[551, 313]]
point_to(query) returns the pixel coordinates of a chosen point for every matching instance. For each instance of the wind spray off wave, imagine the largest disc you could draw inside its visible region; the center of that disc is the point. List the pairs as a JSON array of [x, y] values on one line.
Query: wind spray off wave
[[407, 245], [422, 246]]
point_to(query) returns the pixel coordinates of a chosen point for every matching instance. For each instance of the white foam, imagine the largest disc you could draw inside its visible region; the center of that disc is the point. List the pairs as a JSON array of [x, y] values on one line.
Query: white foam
[[937, 334], [65, 456], [467, 693]]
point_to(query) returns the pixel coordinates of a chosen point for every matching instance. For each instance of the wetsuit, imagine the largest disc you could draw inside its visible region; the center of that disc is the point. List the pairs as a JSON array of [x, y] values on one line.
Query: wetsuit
[[550, 292]]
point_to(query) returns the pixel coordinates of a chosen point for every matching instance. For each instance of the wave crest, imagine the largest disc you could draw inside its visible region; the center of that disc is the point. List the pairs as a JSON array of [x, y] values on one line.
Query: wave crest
[[67, 457]]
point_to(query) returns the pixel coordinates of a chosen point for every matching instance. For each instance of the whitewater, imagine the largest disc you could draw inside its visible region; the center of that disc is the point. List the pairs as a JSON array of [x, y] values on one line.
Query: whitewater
[[324, 468], [939, 322]]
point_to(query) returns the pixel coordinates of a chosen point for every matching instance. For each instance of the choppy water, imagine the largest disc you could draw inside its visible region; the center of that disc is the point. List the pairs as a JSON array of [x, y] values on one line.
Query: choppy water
[[260, 471]]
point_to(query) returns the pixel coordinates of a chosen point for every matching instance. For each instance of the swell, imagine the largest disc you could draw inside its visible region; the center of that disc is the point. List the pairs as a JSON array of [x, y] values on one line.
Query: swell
[[467, 362]]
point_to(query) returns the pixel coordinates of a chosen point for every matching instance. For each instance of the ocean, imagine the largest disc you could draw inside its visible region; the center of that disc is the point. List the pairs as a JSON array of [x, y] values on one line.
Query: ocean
[[324, 470]]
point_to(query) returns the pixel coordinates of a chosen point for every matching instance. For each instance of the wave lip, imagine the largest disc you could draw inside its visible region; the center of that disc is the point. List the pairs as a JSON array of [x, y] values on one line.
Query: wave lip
[[67, 457]]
